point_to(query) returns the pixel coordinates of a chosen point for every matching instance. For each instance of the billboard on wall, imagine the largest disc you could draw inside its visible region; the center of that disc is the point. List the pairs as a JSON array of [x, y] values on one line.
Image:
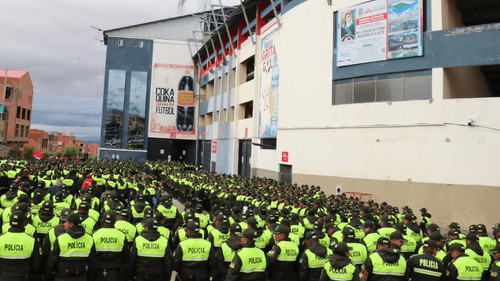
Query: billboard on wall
[[269, 83], [379, 30], [173, 103]]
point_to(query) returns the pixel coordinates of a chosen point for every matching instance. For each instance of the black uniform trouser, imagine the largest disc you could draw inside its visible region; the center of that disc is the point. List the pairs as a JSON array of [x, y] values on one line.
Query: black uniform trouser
[[150, 276], [192, 275]]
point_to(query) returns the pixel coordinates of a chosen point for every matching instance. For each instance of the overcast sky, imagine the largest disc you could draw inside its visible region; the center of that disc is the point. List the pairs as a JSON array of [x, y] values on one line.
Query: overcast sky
[[54, 41]]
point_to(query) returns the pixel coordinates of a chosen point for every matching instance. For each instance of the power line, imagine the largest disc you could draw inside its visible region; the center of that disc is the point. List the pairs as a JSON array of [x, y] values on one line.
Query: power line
[[59, 60]]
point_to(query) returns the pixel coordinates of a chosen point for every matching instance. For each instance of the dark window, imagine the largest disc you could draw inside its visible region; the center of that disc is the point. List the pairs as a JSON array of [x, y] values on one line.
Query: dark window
[[27, 131], [268, 143], [22, 131], [413, 85], [24, 113], [17, 130], [250, 66], [18, 115], [8, 92], [28, 117]]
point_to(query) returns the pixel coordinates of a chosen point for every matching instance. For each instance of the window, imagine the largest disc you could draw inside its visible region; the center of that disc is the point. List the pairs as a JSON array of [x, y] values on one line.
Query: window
[[250, 66], [246, 110], [27, 131], [8, 92], [268, 143], [17, 130], [22, 131], [129, 43], [24, 114], [45, 143], [414, 85], [28, 117], [18, 114]]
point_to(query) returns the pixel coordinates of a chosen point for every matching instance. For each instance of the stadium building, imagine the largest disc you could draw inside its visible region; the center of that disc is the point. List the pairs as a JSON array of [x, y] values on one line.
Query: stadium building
[[394, 98]]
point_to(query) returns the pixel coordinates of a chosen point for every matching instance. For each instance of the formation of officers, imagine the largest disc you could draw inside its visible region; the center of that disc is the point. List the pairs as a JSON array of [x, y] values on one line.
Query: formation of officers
[[251, 229]]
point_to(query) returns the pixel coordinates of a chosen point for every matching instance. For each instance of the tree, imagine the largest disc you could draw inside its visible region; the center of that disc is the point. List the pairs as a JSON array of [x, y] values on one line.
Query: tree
[[71, 152], [58, 154], [14, 152], [46, 155], [28, 152]]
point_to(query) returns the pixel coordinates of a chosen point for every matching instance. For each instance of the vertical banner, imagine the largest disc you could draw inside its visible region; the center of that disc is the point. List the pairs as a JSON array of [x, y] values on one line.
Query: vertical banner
[[172, 107], [269, 84], [379, 30]]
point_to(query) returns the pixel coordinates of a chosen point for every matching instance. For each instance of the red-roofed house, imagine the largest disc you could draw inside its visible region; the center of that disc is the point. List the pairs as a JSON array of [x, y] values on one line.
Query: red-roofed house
[[16, 101]]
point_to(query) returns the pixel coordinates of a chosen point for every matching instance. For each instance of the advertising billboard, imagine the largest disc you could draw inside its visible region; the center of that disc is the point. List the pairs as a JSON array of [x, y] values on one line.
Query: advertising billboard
[[173, 103], [379, 30], [269, 83]]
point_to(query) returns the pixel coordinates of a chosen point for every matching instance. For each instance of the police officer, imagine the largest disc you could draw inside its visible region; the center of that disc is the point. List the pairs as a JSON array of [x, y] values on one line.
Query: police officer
[[358, 252], [73, 252], [371, 236], [475, 251], [463, 267], [173, 218], [228, 249], [385, 264], [495, 266], [221, 231], [194, 258], [249, 263], [339, 266], [45, 220], [19, 252], [486, 242], [313, 259], [111, 250], [282, 259], [123, 224], [426, 266], [151, 254]]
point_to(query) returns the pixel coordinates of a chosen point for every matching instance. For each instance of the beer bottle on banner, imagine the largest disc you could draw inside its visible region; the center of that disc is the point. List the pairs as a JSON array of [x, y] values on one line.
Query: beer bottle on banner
[[185, 104]]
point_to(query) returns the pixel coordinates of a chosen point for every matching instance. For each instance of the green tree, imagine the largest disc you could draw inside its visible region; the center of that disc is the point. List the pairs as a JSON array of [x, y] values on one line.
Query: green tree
[[58, 154], [28, 152], [14, 152], [46, 155], [71, 152]]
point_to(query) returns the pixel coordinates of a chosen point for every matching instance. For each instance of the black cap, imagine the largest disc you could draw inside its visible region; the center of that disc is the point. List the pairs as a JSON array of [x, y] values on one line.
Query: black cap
[[48, 206], [481, 228], [84, 205], [65, 213], [329, 225], [454, 225], [235, 228], [341, 248], [17, 218], [496, 226], [282, 229], [150, 223], [249, 233], [369, 223], [148, 213], [398, 236], [437, 236], [252, 221], [423, 210], [473, 228], [433, 227], [21, 206], [74, 218], [384, 218], [383, 240], [109, 217], [23, 198], [410, 217], [318, 224], [310, 235], [430, 244], [453, 232], [456, 247], [349, 232], [159, 216], [193, 226], [472, 237]]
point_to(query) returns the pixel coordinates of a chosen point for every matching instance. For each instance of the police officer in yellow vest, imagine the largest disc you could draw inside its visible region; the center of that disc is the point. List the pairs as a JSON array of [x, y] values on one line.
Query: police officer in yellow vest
[[227, 250], [45, 220], [249, 263], [475, 251], [339, 266], [495, 266], [19, 252], [173, 218], [463, 267], [486, 242], [194, 258], [426, 266], [385, 264], [111, 250], [282, 259], [123, 224], [72, 254], [151, 254], [313, 259]]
